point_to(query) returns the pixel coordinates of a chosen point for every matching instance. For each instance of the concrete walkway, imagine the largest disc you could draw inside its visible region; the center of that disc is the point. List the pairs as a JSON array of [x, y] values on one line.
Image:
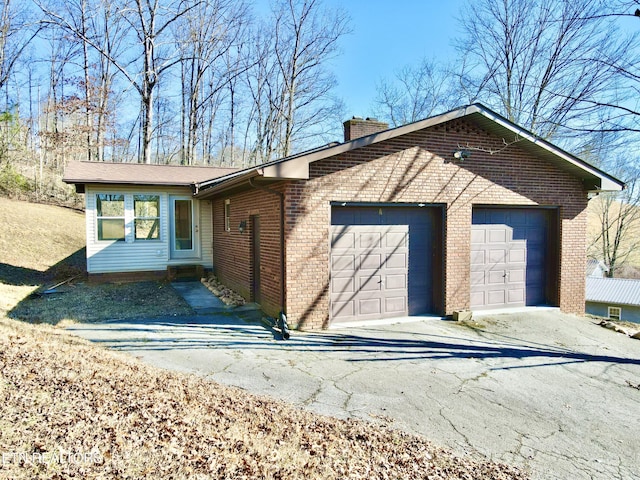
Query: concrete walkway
[[199, 297], [553, 393]]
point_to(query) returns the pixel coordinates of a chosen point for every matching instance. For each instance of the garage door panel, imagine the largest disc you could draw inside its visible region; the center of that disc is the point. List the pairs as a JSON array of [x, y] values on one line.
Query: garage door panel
[[516, 275], [370, 283], [392, 271], [395, 305], [497, 236], [343, 240], [496, 297], [394, 282], [396, 260], [343, 309], [478, 298], [496, 277], [343, 262], [371, 306], [370, 261], [478, 257], [393, 240], [369, 239], [515, 296], [343, 285], [478, 278], [522, 261], [518, 255], [497, 256], [478, 236]]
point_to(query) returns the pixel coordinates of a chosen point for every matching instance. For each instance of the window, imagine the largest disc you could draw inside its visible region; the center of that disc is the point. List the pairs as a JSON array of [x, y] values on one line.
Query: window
[[146, 209], [615, 313], [110, 211], [227, 215]]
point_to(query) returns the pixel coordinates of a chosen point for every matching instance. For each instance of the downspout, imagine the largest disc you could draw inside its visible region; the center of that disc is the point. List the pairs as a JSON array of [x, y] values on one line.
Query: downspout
[[282, 250]]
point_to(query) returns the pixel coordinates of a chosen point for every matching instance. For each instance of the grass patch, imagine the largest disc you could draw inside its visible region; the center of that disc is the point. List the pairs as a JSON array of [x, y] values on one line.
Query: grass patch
[[41, 245], [82, 302], [36, 237], [119, 418]]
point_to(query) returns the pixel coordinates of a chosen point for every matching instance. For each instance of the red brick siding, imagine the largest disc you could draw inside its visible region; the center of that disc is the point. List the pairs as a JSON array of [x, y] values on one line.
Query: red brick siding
[[232, 251], [419, 167]]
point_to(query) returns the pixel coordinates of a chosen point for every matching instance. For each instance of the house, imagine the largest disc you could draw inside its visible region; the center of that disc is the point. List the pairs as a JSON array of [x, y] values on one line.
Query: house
[[614, 298], [143, 219], [596, 268], [464, 210]]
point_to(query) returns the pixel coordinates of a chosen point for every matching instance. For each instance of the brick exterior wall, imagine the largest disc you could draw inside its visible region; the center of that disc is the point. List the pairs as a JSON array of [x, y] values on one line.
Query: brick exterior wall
[[233, 251], [419, 167]]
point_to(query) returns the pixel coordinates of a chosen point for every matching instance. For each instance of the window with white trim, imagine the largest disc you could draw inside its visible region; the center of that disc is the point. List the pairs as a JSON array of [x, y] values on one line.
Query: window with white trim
[[111, 216], [227, 215], [615, 313], [128, 217], [146, 210]]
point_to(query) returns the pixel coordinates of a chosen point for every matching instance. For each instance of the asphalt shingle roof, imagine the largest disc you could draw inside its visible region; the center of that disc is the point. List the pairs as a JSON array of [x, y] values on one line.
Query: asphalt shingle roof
[[140, 173]]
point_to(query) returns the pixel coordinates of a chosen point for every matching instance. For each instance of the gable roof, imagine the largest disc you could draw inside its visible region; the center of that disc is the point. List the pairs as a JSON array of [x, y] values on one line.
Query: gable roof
[[616, 291], [596, 268], [140, 173], [297, 166]]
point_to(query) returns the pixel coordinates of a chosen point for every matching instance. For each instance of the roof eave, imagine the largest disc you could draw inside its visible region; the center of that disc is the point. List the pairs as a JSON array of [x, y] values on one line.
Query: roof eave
[[72, 181], [297, 166]]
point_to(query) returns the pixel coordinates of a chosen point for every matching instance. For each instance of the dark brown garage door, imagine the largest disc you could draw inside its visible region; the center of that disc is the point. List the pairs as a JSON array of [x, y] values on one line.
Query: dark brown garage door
[[510, 257], [382, 262]]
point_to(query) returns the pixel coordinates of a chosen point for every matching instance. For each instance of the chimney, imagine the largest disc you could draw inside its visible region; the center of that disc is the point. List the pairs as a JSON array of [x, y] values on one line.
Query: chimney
[[356, 127]]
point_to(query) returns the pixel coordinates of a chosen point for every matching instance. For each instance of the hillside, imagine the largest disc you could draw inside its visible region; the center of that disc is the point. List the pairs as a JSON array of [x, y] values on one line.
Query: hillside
[[36, 236], [630, 242]]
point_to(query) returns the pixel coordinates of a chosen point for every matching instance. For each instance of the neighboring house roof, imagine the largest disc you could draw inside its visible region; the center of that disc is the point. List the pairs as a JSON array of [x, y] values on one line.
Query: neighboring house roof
[[615, 291], [596, 268], [140, 173], [297, 166]]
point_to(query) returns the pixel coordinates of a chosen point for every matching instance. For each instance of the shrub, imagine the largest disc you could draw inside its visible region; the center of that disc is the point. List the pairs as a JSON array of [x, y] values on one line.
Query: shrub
[[13, 183]]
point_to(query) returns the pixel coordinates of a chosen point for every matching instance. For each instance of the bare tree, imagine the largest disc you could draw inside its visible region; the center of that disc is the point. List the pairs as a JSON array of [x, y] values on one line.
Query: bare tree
[[149, 55], [535, 60], [208, 39], [415, 93], [17, 30], [616, 239], [290, 84]]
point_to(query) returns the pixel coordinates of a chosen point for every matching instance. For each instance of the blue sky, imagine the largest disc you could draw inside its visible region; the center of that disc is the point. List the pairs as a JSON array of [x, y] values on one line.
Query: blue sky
[[387, 35]]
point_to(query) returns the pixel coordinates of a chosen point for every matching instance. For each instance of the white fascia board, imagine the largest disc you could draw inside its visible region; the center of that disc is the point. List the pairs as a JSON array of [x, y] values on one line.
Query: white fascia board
[[607, 183]]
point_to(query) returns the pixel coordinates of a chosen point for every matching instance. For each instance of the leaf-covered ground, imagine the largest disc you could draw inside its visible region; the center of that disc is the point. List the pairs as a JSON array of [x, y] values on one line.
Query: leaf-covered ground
[[72, 409]]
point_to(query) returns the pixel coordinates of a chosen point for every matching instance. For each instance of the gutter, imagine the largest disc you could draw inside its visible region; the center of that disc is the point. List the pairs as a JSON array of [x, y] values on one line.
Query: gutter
[[282, 246]]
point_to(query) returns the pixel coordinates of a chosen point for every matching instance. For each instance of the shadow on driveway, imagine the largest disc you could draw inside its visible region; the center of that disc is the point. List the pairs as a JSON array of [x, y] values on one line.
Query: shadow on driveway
[[230, 332]]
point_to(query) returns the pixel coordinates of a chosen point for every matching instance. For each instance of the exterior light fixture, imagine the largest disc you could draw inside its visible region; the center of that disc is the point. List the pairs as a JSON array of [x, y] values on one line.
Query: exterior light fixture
[[243, 226], [461, 154]]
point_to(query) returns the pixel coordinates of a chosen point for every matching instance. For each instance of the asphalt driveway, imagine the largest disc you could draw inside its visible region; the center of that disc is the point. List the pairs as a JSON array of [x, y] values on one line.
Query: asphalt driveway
[[555, 393]]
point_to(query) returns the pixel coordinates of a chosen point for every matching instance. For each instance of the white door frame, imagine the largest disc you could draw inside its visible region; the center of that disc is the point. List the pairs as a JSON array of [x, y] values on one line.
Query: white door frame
[[178, 251]]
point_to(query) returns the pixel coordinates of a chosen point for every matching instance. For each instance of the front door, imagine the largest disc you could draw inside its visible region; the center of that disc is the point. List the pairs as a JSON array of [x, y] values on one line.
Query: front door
[[183, 228]]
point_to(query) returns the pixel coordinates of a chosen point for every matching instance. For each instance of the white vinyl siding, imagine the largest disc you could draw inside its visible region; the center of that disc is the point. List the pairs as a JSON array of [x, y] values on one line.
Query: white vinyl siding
[[134, 255]]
